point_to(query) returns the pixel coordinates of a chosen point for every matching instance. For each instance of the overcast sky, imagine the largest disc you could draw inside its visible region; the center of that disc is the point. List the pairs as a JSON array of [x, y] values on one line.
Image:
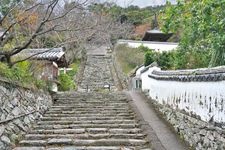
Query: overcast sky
[[140, 3]]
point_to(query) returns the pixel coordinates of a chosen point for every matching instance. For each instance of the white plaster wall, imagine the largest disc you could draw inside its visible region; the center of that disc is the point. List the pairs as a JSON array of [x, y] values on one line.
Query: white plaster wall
[[145, 79], [158, 46], [206, 99], [138, 72]]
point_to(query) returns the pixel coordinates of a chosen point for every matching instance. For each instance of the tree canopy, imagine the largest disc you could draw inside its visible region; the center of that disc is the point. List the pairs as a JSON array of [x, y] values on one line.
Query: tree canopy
[[201, 26], [131, 14], [34, 24]]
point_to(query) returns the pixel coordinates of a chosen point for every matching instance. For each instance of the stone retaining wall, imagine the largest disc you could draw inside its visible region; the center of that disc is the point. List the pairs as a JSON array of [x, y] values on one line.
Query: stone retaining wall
[[198, 134], [19, 107]]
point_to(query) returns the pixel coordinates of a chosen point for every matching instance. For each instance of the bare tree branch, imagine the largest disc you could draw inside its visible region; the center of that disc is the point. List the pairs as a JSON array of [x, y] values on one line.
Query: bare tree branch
[[8, 12], [74, 25], [18, 49]]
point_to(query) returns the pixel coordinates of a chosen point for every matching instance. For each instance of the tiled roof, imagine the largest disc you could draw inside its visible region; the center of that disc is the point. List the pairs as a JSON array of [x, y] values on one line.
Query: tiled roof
[[52, 54], [156, 35]]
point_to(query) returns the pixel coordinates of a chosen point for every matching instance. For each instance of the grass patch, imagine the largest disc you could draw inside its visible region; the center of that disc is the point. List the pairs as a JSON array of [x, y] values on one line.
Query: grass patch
[[129, 58]]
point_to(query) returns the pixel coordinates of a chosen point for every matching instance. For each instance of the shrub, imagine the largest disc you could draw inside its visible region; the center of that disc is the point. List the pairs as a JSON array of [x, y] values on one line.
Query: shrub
[[149, 57], [75, 68], [21, 72], [166, 60], [41, 84], [190, 59], [5, 70], [66, 83], [144, 49]]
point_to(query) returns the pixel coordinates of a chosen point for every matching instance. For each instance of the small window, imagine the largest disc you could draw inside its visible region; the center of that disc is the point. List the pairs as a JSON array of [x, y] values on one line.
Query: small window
[[140, 84], [137, 85]]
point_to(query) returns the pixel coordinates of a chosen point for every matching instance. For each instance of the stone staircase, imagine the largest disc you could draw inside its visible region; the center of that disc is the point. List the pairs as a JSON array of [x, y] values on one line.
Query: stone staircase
[[87, 121], [98, 73]]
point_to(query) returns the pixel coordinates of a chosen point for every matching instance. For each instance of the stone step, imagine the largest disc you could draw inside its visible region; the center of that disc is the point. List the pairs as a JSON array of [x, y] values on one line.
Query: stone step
[[77, 142], [83, 102], [90, 99], [89, 111], [86, 103], [90, 107], [92, 96], [58, 131], [84, 136], [88, 122], [73, 114], [72, 126], [85, 123], [29, 148], [87, 130], [86, 118], [84, 148], [113, 112], [85, 109]]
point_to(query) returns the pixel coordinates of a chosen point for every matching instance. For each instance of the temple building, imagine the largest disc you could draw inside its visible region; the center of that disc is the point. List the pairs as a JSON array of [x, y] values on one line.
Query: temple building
[[47, 63], [156, 35]]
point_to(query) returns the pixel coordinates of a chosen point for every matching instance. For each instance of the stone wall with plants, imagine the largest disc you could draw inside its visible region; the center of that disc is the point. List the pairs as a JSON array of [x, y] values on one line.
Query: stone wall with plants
[[20, 107]]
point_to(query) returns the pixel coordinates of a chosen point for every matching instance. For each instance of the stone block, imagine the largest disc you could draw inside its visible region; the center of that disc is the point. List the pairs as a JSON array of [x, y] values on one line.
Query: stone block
[[2, 145], [26, 120], [14, 138], [15, 101], [60, 141], [5, 140], [16, 111], [2, 129], [202, 133]]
